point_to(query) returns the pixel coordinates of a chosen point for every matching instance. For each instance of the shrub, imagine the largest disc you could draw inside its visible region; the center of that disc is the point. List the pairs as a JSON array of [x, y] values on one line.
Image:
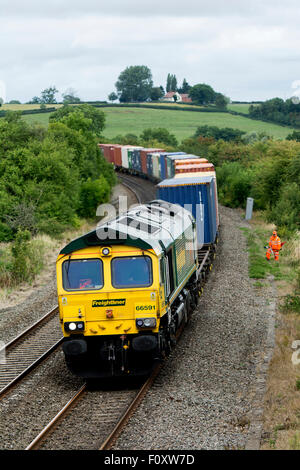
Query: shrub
[[20, 251], [234, 184], [92, 194], [158, 134]]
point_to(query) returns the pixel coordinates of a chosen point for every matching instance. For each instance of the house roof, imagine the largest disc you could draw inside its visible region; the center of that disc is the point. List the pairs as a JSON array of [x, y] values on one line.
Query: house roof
[[184, 96]]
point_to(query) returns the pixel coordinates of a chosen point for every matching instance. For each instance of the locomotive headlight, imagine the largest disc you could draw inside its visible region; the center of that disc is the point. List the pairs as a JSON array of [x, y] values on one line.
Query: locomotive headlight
[[146, 322], [74, 326], [105, 251]]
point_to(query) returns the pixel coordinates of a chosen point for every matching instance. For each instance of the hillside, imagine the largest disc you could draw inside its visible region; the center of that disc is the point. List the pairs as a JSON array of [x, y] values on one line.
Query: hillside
[[182, 124]]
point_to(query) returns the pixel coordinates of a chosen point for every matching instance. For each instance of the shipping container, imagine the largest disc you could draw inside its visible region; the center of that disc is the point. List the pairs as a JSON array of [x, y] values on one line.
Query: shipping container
[[198, 195], [106, 151], [190, 161], [144, 154], [131, 157], [165, 163], [136, 161], [201, 174], [174, 158], [149, 165], [197, 168], [156, 165], [124, 152], [118, 155]]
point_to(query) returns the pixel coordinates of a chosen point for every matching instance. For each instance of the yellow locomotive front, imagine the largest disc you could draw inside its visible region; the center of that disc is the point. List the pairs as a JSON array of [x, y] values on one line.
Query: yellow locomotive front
[[107, 297], [118, 290]]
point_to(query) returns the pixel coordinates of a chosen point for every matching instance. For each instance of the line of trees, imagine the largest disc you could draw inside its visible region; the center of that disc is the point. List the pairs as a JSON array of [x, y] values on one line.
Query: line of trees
[[48, 96], [277, 110]]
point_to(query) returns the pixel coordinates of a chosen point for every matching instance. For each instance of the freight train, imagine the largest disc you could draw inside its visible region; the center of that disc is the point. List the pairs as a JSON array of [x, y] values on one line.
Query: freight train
[[127, 288]]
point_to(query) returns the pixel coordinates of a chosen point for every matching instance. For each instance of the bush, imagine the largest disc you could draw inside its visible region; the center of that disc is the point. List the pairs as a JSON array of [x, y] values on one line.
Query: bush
[[234, 184], [158, 134], [92, 194], [20, 268], [226, 133]]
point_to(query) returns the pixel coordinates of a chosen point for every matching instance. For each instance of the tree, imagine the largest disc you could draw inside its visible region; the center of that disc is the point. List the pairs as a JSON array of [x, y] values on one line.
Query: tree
[[202, 94], [156, 93], [171, 83], [295, 135], [185, 88], [95, 116], [69, 97], [48, 95], [160, 135], [1, 102], [14, 102], [113, 96], [134, 84], [174, 83], [35, 100], [168, 86], [221, 101], [225, 133]]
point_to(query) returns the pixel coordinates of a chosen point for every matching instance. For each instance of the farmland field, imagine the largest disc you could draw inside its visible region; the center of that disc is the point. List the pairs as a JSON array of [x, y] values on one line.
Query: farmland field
[[25, 107], [239, 107], [183, 124]]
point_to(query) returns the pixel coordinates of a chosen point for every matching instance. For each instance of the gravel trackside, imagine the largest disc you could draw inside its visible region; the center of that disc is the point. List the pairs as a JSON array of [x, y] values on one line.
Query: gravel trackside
[[205, 395]]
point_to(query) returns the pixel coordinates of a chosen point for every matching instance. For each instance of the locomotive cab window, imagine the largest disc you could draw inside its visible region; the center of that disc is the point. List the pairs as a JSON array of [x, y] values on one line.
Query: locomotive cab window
[[131, 272], [82, 274]]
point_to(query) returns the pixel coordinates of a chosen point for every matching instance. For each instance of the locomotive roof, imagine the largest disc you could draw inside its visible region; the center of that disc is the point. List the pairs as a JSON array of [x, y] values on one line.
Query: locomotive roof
[[154, 225]]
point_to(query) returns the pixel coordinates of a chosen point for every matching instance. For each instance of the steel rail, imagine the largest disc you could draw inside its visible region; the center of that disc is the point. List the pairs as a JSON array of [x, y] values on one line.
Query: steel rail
[[20, 351], [107, 444], [51, 425]]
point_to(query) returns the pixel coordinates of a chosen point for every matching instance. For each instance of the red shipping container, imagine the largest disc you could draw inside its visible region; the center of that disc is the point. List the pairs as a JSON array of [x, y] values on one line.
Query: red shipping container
[[118, 155], [143, 153], [106, 151]]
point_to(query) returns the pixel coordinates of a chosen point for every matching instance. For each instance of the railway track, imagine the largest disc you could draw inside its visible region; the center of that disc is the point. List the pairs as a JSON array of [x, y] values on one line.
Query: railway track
[[29, 349], [115, 407], [143, 189]]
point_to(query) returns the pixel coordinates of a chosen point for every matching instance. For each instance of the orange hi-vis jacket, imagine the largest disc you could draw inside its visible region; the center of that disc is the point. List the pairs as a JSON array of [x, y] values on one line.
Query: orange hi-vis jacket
[[275, 243]]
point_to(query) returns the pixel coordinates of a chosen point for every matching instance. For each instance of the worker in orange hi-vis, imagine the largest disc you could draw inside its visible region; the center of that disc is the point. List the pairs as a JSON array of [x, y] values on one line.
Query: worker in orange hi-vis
[[274, 246]]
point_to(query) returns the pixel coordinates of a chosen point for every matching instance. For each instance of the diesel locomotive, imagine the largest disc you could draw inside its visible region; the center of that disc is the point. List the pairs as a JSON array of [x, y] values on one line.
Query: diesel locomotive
[[126, 288]]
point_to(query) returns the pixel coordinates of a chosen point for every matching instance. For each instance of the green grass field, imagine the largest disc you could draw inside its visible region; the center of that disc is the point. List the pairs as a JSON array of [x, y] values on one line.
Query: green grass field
[[240, 108], [183, 124]]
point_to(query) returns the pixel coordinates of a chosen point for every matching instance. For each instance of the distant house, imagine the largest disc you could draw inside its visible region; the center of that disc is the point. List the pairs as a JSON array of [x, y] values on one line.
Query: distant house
[[181, 97]]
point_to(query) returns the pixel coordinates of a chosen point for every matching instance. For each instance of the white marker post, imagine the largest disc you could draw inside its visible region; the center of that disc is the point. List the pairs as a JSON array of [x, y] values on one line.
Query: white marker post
[[249, 208]]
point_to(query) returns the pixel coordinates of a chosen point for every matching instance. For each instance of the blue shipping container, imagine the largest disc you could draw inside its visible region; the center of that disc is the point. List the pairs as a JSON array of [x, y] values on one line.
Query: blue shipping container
[[149, 164], [136, 161], [198, 196]]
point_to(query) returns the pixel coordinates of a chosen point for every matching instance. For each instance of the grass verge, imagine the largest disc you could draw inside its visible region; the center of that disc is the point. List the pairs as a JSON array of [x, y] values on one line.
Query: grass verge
[[281, 429]]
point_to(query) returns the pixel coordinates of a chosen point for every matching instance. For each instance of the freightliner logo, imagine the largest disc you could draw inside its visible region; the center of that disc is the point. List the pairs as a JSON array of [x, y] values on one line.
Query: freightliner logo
[[108, 303]]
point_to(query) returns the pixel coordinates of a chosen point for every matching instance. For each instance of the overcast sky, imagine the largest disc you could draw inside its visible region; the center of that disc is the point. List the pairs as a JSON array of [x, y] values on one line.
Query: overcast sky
[[246, 49]]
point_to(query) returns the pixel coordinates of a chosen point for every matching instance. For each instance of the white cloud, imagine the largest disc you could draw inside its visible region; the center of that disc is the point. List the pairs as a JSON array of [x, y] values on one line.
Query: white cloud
[[248, 50]]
